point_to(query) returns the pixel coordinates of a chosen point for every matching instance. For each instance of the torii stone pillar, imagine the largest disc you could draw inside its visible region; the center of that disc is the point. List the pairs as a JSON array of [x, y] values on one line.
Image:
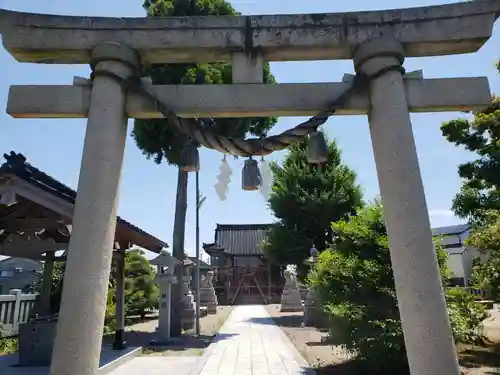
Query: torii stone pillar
[[78, 341], [427, 333]]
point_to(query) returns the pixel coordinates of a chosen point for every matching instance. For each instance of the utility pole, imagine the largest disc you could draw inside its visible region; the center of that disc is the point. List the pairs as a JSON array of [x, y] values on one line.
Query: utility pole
[[199, 202], [197, 249]]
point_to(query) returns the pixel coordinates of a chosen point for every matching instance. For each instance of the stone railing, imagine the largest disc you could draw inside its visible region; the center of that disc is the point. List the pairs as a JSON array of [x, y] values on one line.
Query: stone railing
[[15, 308]]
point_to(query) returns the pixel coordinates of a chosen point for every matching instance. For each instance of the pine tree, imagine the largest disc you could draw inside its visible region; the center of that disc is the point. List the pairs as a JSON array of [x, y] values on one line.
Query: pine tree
[[306, 199]]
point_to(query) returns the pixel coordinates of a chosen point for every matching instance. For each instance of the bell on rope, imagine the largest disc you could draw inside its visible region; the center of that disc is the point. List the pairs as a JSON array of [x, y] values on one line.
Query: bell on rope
[[251, 178], [190, 158], [317, 149]]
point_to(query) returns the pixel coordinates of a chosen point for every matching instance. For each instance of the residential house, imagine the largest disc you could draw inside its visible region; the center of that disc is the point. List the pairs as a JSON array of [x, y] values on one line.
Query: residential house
[[460, 256], [19, 273]]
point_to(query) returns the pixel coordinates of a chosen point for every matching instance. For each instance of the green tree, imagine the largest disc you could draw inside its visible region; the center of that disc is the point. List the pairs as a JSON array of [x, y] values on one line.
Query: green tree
[[306, 199], [479, 198], [486, 267], [160, 140], [141, 291], [355, 284], [57, 284], [480, 134]]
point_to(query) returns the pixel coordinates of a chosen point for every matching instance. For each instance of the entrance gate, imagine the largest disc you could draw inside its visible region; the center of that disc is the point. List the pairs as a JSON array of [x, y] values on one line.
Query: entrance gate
[[377, 42]]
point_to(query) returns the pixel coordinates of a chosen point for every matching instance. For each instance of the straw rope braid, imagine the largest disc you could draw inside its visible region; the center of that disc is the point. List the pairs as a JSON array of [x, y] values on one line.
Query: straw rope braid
[[193, 129]]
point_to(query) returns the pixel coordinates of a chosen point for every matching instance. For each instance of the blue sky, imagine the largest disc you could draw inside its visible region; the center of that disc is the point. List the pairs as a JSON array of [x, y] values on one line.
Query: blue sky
[[147, 192]]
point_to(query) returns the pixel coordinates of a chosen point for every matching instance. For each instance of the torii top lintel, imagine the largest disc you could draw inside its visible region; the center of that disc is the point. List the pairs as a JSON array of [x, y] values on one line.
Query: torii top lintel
[[424, 31]]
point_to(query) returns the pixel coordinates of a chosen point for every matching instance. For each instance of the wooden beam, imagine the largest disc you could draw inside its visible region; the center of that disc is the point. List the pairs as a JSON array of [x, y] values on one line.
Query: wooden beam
[[33, 223], [28, 249], [250, 100]]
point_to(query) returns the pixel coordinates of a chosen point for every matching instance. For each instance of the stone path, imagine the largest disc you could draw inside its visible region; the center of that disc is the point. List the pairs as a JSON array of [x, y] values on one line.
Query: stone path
[[250, 343]]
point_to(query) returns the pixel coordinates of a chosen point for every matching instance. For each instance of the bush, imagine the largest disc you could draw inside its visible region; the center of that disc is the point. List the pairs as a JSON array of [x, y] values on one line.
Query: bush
[[355, 285], [466, 316], [8, 345]]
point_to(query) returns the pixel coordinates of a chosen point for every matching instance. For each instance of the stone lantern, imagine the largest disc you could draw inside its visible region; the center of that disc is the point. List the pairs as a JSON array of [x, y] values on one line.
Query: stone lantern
[[313, 316], [165, 277]]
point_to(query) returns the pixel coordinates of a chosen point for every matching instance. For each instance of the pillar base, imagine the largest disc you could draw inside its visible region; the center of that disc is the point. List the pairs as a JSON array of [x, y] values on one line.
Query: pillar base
[[119, 344]]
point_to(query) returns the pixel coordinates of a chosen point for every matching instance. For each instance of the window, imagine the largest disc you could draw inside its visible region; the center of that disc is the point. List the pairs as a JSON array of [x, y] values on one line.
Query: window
[[7, 273], [18, 270]]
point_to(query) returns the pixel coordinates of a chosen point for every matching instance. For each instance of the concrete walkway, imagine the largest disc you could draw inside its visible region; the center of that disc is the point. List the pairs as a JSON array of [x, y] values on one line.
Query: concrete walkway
[[250, 343]]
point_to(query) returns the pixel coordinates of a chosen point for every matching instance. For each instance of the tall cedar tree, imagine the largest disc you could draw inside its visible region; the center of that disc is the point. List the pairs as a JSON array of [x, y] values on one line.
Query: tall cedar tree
[[160, 140], [480, 192], [306, 199]]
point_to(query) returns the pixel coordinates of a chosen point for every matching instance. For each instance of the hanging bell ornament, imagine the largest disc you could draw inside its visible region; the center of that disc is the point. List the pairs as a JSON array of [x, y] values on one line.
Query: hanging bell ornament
[[251, 178], [190, 158], [317, 149]]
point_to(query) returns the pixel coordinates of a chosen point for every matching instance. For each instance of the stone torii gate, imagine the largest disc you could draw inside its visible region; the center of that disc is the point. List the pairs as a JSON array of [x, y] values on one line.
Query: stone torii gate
[[377, 42]]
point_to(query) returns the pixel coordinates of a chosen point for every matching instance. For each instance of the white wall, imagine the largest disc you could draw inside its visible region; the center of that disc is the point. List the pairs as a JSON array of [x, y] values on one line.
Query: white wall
[[460, 258], [455, 264]]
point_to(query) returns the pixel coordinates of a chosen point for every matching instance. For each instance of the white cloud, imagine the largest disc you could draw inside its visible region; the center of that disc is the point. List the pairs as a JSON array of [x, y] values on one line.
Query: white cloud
[[443, 218], [441, 213]]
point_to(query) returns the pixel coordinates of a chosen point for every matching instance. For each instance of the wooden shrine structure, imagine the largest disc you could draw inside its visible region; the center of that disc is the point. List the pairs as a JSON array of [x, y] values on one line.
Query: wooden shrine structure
[[242, 274], [36, 213]]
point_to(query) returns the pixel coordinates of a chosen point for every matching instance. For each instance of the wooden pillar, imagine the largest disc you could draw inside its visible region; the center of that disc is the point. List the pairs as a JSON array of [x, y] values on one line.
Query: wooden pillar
[[119, 343], [48, 269], [269, 283]]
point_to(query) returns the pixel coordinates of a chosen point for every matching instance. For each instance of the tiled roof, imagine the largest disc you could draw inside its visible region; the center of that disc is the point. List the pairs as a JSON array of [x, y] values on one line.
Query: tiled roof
[[449, 230], [16, 164], [203, 265], [241, 239]]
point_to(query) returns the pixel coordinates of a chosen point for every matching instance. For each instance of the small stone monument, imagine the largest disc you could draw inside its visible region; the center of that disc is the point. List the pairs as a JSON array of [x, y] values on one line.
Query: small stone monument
[[313, 316], [165, 277], [188, 313], [290, 298], [208, 297]]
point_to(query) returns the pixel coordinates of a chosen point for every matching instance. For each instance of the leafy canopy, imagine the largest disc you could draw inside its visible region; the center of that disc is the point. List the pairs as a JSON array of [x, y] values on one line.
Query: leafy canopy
[[486, 266], [480, 192], [479, 198], [158, 138], [305, 199]]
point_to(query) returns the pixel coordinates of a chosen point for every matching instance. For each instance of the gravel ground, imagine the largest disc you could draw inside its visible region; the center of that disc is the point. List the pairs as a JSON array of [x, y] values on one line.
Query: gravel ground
[[140, 334], [332, 360]]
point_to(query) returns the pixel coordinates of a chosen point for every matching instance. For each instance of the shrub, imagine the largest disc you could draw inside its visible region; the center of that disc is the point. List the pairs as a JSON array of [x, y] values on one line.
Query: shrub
[[8, 345], [355, 285], [466, 316]]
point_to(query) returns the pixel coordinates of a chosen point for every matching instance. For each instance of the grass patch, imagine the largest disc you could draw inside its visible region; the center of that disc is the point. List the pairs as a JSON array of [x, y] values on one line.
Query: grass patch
[[9, 345]]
